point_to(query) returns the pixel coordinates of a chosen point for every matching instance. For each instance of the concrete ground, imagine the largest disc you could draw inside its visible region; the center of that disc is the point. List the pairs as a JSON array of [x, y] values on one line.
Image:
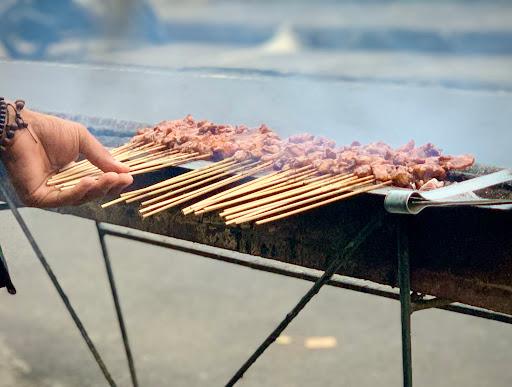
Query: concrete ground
[[193, 321]]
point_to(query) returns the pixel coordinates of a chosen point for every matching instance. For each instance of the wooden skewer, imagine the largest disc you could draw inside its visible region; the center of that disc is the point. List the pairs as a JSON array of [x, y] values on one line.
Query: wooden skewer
[[322, 203], [151, 157], [170, 164], [74, 177], [197, 172], [161, 160], [113, 151], [284, 206], [203, 179], [73, 171], [263, 206], [274, 188], [184, 198], [138, 152], [212, 175], [232, 192], [200, 183], [347, 185], [219, 196], [327, 179], [115, 201], [242, 212], [181, 177], [144, 162], [71, 184], [273, 179]]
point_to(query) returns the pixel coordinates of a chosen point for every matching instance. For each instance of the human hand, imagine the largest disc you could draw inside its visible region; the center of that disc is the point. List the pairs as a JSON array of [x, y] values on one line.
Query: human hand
[[59, 142]]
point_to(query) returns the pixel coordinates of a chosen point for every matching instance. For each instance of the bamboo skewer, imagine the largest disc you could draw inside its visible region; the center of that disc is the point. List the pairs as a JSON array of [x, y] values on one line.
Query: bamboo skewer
[[71, 184], [159, 207], [264, 206], [241, 187], [161, 160], [286, 199], [78, 170], [273, 179], [135, 170], [326, 179], [151, 157], [284, 206], [197, 184], [85, 165], [170, 164], [295, 182], [184, 176], [188, 175], [114, 152], [217, 175], [322, 203]]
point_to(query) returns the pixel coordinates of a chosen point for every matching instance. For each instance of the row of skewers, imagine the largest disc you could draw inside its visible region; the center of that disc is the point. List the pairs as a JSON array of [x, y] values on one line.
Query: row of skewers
[[256, 176], [273, 196], [140, 157]]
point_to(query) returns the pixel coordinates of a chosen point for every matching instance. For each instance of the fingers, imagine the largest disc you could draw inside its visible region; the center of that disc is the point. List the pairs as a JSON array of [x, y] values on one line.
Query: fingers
[[110, 182], [87, 189], [58, 198], [97, 154], [124, 181]]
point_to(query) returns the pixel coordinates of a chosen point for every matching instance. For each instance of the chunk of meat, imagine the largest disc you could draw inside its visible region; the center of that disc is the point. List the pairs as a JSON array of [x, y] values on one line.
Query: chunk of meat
[[460, 162], [431, 184], [402, 177], [363, 170], [382, 172], [428, 171], [300, 138]]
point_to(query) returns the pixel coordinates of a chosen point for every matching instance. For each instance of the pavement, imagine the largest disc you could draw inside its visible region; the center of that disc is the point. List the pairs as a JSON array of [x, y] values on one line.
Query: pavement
[[193, 321]]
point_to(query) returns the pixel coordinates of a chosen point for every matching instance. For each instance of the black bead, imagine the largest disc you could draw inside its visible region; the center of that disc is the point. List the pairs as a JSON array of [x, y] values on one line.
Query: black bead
[[10, 134]]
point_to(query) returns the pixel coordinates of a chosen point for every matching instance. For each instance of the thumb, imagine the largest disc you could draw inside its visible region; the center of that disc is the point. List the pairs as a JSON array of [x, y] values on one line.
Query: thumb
[[96, 153]]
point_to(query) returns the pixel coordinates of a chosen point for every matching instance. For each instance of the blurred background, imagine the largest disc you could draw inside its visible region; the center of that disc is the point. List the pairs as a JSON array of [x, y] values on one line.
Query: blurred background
[[454, 43], [195, 325]]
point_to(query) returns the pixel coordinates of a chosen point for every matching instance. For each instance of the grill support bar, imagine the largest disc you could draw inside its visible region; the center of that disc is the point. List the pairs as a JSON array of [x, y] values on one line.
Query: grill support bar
[[289, 270], [348, 250], [404, 281], [117, 304]]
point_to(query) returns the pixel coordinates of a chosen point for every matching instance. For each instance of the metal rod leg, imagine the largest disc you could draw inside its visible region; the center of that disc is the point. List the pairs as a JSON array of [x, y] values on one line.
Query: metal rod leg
[[405, 300], [56, 284], [349, 249], [117, 303]]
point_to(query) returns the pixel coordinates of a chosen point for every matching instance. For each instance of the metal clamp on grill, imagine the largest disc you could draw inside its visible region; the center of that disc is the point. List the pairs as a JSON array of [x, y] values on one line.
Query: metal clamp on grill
[[401, 201]]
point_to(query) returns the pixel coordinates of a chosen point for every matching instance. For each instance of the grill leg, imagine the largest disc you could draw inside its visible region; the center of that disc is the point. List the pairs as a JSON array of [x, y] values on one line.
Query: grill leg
[[404, 282], [39, 254], [117, 303], [334, 266]]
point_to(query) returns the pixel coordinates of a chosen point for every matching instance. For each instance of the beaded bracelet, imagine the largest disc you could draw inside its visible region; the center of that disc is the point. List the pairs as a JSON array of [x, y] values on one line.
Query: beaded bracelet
[[3, 116], [7, 129]]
